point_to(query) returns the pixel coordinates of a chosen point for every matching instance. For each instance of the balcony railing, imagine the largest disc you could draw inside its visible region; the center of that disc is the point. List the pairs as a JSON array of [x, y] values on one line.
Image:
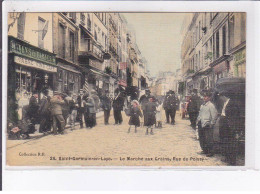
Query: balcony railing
[[92, 50]]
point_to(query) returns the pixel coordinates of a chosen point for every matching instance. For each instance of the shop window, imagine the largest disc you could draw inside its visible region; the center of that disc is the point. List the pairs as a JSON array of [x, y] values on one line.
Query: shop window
[[72, 46], [41, 23], [20, 26], [61, 41]]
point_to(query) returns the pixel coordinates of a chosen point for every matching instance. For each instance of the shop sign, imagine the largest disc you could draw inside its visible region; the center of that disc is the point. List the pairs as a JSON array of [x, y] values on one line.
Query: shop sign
[[34, 64], [29, 51], [240, 57]]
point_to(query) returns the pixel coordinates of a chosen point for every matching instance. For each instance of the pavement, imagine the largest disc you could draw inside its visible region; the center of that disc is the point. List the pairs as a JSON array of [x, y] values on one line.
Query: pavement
[[111, 145]]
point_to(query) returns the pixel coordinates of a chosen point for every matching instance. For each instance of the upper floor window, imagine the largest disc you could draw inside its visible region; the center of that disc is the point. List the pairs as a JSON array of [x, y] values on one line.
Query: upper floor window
[[231, 32], [72, 16], [61, 40], [20, 26], [82, 18], [95, 35], [217, 45], [243, 27], [224, 39], [72, 45], [89, 23]]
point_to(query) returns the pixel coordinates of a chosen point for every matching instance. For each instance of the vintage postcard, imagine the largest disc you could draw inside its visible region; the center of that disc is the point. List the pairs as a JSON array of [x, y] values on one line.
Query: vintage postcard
[[113, 89]]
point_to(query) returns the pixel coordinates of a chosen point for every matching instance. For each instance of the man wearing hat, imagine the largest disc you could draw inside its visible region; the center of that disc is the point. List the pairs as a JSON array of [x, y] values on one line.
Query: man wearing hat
[[207, 118], [106, 106], [170, 105], [80, 100], [56, 104], [194, 107]]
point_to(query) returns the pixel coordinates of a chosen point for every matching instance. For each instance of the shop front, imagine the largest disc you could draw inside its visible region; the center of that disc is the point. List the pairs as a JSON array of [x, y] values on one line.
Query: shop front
[[68, 77], [30, 70], [96, 80], [239, 61]]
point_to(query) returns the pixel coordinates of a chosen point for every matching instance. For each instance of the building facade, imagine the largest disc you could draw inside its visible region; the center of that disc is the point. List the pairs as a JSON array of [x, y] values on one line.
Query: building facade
[[68, 51], [213, 47]]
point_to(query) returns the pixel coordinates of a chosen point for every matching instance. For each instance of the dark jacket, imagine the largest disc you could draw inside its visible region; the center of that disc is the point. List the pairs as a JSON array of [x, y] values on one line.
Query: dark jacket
[[194, 104], [44, 108], [105, 103], [118, 103], [89, 105], [144, 100], [149, 114], [33, 106], [170, 102], [79, 100], [56, 105]]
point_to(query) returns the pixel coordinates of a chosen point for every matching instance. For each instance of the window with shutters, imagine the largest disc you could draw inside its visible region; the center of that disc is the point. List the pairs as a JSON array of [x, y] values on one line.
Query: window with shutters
[[41, 23], [224, 39], [231, 32], [20, 26], [82, 18], [217, 45], [72, 45], [61, 41], [72, 16]]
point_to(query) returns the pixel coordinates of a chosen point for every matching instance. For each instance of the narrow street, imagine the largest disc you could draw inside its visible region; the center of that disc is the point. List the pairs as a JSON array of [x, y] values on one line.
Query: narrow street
[[112, 146]]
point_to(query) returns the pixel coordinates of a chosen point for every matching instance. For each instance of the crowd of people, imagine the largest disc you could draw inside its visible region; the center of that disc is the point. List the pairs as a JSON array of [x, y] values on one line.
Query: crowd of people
[[53, 113]]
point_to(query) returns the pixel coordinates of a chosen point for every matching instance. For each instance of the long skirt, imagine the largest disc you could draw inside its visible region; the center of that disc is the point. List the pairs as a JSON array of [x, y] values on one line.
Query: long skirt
[[134, 120], [89, 119]]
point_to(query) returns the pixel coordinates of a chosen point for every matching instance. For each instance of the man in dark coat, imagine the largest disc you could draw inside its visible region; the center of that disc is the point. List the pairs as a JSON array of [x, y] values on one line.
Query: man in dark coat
[[57, 104], [144, 99], [44, 112], [89, 111], [80, 100], [118, 104], [33, 109], [106, 106], [170, 106], [194, 108], [167, 112]]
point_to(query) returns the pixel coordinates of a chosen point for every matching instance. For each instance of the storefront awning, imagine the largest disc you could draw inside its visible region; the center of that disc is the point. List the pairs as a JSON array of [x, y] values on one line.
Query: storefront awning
[[220, 67]]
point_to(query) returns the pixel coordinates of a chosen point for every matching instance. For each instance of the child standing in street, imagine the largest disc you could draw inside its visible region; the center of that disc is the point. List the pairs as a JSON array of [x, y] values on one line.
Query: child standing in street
[[150, 111], [135, 113], [159, 109]]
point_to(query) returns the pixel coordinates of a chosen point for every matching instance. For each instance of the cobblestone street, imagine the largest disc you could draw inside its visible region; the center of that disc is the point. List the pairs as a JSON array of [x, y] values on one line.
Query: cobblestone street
[[112, 146]]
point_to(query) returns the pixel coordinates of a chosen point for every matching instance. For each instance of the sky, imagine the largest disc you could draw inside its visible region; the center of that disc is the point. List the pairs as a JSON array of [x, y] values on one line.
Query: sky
[[158, 36]]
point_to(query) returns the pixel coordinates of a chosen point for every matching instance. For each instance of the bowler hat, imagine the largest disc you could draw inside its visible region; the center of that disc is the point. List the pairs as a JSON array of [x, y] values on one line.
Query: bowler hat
[[195, 90], [206, 93]]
